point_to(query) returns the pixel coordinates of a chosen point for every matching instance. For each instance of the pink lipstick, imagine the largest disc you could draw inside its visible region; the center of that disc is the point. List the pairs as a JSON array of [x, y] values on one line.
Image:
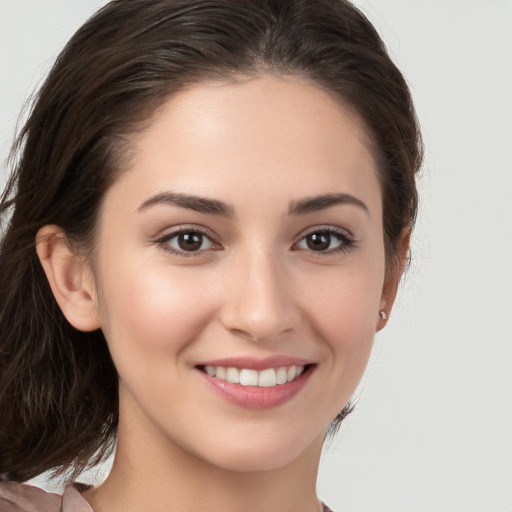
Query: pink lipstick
[[256, 383]]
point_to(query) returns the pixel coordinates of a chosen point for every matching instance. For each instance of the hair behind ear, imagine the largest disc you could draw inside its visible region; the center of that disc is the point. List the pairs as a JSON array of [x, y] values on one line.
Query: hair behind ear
[[58, 385]]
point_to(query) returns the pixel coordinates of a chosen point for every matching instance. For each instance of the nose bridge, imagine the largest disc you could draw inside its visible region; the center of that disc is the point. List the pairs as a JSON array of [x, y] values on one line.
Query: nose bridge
[[258, 301]]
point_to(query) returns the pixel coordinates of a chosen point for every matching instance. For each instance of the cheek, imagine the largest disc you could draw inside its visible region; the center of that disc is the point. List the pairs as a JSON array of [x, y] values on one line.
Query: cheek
[[153, 313], [344, 310], [345, 325], [347, 300]]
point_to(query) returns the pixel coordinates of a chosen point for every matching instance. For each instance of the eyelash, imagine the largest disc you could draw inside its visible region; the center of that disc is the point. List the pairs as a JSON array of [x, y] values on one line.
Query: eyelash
[[164, 242], [347, 242]]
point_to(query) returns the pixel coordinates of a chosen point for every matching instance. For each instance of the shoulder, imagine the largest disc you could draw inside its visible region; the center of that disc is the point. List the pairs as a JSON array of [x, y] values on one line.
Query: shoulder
[[27, 498]]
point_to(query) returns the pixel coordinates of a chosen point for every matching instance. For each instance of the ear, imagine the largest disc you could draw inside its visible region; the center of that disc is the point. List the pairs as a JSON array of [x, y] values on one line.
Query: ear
[[70, 278], [392, 278]]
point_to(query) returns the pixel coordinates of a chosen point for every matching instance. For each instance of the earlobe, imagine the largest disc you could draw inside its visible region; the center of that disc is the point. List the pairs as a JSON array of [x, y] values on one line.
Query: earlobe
[[392, 279], [69, 278]]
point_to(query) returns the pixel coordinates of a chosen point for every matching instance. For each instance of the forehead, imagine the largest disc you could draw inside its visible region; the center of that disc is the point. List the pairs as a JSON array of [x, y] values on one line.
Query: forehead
[[231, 139]]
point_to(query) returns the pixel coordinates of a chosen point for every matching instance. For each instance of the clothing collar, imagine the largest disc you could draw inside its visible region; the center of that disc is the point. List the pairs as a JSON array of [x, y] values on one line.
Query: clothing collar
[[72, 499]]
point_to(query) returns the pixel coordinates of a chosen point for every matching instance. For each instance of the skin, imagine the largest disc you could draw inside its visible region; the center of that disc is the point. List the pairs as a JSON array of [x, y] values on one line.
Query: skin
[[256, 290]]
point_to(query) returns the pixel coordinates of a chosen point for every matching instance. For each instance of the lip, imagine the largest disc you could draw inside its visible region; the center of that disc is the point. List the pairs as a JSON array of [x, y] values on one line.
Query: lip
[[256, 397], [252, 363]]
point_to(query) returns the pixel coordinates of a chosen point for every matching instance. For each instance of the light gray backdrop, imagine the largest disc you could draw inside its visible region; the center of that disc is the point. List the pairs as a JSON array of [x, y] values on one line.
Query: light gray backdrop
[[433, 427]]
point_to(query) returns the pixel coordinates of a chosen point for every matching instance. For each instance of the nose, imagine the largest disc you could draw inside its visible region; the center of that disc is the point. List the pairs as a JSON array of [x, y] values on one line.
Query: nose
[[259, 301]]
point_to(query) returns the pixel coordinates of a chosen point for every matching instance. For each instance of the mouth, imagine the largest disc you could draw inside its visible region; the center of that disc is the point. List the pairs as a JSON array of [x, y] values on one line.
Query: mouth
[[251, 388], [266, 378]]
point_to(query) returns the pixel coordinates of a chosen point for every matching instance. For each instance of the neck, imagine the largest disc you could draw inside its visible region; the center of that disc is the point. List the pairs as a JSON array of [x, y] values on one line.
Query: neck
[[155, 474]]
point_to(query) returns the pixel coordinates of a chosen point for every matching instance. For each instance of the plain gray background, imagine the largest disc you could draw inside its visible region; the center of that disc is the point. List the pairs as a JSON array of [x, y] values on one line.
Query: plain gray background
[[433, 426]]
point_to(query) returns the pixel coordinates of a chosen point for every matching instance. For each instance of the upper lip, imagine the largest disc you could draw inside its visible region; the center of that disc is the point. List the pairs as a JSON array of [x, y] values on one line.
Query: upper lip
[[252, 363]]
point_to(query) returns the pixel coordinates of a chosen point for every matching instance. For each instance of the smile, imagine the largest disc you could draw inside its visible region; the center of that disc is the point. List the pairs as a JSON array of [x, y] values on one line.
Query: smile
[[263, 385], [266, 378]]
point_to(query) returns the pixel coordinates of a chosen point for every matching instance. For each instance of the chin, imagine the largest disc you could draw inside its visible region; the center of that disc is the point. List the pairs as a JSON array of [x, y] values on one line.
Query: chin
[[262, 453]]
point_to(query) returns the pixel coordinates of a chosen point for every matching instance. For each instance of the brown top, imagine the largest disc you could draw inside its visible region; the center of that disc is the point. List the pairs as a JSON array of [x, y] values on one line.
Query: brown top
[[27, 498]]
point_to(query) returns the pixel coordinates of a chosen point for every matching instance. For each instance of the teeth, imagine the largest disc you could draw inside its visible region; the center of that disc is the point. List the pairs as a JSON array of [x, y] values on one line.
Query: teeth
[[248, 377], [265, 378], [281, 376], [233, 375]]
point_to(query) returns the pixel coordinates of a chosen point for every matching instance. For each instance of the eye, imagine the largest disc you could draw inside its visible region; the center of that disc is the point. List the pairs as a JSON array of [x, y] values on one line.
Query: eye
[[187, 242], [327, 241]]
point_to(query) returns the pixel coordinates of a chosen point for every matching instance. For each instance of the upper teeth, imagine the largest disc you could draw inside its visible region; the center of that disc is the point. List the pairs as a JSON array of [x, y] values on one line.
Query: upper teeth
[[264, 378]]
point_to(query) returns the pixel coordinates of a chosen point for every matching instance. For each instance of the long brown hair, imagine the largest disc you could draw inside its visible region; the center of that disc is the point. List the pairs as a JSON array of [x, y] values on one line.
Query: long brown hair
[[58, 386]]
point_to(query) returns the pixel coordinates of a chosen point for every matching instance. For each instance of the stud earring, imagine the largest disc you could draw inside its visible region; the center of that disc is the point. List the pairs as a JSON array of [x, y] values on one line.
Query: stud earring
[[383, 315]]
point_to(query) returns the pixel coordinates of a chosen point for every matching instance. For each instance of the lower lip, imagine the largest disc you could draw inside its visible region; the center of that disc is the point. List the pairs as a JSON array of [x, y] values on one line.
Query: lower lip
[[256, 397]]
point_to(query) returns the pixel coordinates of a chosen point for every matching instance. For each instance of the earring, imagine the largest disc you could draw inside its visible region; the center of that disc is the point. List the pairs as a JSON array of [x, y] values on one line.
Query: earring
[[383, 315]]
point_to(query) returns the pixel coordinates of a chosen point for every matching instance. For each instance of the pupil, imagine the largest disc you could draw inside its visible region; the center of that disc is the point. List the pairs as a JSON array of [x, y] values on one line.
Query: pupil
[[319, 241], [190, 241]]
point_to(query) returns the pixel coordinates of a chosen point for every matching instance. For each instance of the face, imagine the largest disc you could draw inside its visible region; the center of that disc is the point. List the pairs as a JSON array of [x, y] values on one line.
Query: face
[[240, 263]]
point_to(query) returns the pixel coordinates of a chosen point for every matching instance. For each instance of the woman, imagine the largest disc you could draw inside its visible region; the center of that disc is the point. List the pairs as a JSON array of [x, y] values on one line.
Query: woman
[[211, 212]]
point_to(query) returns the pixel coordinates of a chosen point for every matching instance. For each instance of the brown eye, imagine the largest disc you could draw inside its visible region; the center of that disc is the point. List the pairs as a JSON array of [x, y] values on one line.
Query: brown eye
[[190, 241], [318, 241], [187, 243], [326, 241]]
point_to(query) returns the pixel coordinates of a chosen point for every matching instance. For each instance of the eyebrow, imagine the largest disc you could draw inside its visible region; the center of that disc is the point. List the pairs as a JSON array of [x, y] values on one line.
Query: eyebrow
[[317, 203], [216, 207], [190, 202]]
